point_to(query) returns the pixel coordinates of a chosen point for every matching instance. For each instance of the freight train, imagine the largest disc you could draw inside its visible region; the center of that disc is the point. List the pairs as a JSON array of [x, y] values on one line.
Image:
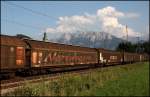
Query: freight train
[[28, 57]]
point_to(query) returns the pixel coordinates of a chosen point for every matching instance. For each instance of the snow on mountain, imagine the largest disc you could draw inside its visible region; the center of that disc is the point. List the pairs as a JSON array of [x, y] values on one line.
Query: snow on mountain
[[89, 39]]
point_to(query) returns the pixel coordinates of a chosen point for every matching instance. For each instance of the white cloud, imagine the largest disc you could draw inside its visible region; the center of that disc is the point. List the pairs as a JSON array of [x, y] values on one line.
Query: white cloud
[[109, 11], [50, 30], [106, 20], [132, 15]]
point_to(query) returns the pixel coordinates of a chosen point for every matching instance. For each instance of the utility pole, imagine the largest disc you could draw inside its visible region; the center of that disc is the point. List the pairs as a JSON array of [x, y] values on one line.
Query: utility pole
[[103, 41], [106, 40], [138, 43], [125, 43], [45, 37], [126, 33]]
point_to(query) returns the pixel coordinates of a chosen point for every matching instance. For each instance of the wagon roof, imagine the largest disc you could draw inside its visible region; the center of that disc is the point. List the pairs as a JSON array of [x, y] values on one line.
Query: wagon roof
[[11, 40], [49, 45], [130, 53], [106, 50]]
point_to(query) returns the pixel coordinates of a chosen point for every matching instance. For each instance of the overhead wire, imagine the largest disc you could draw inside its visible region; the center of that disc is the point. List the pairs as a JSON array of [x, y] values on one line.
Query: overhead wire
[[36, 12], [33, 11], [22, 24]]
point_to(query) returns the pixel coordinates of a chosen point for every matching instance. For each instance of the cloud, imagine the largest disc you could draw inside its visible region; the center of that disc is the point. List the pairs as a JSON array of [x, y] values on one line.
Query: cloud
[[109, 11], [50, 30], [105, 20], [132, 15]]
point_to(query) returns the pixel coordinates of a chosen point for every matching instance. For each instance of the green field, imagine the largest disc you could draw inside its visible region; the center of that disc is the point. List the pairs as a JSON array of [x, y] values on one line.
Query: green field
[[122, 80]]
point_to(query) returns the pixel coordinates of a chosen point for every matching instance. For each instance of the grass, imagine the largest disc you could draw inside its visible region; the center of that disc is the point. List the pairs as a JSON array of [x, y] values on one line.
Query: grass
[[132, 83], [123, 80]]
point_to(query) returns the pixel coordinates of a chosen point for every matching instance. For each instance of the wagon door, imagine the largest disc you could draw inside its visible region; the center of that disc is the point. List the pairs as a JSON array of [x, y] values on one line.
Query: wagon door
[[20, 56], [7, 57], [28, 57], [11, 57]]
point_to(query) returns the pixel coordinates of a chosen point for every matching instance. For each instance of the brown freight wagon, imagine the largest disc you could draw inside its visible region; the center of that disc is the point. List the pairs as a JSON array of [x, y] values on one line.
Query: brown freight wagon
[[47, 54], [132, 57], [109, 57], [129, 57], [146, 57], [12, 54], [136, 57]]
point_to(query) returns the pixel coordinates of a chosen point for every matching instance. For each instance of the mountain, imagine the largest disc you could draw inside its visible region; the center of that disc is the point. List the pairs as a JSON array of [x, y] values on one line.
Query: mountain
[[89, 39]]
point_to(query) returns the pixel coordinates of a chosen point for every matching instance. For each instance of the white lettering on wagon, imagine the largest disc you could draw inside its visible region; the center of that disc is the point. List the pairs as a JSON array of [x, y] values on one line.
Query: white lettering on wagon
[[102, 60], [113, 57]]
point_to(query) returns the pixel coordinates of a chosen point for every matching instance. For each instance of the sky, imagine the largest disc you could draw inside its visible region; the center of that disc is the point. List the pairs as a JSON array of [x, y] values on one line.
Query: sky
[[32, 18]]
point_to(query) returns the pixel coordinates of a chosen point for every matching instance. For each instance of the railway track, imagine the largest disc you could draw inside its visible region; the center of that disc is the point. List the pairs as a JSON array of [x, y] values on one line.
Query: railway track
[[12, 84]]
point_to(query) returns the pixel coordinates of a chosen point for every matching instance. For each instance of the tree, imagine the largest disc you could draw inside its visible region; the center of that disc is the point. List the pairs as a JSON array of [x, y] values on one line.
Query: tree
[[128, 47], [146, 47], [138, 47]]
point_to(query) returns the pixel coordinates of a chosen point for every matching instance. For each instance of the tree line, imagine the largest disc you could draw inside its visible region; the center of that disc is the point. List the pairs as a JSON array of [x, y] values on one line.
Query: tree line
[[134, 48]]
